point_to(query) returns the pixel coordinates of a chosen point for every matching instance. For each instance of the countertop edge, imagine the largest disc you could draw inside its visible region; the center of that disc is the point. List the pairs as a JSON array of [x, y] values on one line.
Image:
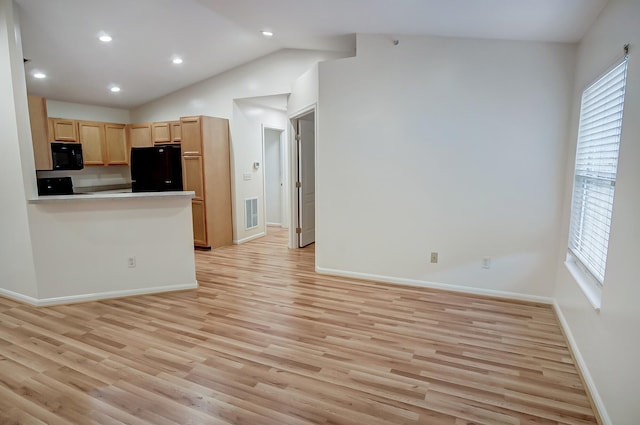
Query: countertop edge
[[97, 196]]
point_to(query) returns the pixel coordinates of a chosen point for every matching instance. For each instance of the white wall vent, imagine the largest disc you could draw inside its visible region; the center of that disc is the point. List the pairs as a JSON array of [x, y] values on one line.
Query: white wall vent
[[251, 213]]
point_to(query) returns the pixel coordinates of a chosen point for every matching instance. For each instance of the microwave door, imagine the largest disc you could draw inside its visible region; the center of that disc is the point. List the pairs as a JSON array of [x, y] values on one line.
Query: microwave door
[[67, 156], [61, 160]]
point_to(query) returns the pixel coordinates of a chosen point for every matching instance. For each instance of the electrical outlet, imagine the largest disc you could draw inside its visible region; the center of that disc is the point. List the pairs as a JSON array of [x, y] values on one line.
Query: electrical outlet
[[131, 262], [434, 257], [486, 263]]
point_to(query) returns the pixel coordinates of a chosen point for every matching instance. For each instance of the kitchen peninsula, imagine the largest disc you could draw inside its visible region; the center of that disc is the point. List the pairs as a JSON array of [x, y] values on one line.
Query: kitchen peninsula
[[108, 245]]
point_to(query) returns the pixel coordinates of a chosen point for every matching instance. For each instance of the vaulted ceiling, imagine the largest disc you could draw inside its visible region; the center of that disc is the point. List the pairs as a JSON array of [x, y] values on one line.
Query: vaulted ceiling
[[60, 37]]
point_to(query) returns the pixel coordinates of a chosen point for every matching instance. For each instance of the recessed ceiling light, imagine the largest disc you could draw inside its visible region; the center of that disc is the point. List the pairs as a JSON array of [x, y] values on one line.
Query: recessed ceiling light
[[115, 89], [267, 33], [177, 61], [39, 75], [105, 38]]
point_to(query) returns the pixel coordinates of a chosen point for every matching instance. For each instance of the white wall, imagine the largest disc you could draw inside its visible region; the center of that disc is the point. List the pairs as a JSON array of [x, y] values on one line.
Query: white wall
[[448, 145], [608, 341], [17, 175], [304, 93], [77, 111], [249, 119], [270, 75]]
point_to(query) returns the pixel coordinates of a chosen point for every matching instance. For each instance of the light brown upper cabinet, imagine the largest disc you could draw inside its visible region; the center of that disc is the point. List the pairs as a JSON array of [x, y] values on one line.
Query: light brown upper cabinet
[[92, 140], [40, 132], [116, 144], [166, 132], [103, 143], [161, 132], [64, 130], [191, 135], [176, 131], [140, 135]]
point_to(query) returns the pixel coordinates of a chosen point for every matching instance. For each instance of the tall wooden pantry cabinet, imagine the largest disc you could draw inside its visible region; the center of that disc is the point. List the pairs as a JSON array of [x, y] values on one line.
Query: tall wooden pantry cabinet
[[206, 170]]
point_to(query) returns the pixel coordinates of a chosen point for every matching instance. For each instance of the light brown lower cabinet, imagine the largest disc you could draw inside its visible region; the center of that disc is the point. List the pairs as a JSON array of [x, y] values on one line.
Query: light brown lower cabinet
[[199, 223], [192, 176]]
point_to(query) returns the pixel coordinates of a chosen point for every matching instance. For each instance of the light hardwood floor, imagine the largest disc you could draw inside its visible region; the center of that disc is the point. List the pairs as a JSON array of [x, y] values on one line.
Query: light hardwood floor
[[265, 340]]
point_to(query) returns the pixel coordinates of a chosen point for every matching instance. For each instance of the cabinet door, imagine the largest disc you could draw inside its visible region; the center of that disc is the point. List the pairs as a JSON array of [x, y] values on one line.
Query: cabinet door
[[39, 132], [161, 132], [191, 136], [192, 175], [92, 140], [140, 135], [116, 144], [64, 130], [199, 223], [176, 131]]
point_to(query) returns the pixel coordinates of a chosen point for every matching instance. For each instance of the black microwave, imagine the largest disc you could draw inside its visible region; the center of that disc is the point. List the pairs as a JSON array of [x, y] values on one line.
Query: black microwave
[[66, 156]]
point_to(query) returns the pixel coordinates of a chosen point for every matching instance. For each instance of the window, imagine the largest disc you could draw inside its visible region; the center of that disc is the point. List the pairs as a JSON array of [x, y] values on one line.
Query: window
[[595, 172]]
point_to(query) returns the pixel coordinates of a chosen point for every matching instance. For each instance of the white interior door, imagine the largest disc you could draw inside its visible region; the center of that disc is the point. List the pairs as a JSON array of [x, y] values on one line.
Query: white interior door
[[273, 176], [306, 177]]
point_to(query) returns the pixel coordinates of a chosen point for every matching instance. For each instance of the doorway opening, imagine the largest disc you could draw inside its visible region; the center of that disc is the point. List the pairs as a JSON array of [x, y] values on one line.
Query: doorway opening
[[274, 177]]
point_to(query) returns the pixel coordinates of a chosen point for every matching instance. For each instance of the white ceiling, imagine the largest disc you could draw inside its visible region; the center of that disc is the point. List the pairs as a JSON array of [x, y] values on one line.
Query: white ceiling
[[60, 36]]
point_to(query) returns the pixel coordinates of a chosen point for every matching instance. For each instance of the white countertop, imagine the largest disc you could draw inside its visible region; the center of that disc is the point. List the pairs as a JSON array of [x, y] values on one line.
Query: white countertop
[[110, 195]]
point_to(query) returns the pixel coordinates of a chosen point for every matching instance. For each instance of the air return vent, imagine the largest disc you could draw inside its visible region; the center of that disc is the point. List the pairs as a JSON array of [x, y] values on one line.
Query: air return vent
[[251, 212]]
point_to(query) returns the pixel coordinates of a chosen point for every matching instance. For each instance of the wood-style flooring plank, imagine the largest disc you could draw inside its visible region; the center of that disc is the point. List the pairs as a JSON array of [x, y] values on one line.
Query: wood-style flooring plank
[[266, 340]]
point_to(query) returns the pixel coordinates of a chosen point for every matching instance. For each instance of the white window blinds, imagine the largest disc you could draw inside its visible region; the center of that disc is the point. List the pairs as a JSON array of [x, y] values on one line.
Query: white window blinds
[[595, 170]]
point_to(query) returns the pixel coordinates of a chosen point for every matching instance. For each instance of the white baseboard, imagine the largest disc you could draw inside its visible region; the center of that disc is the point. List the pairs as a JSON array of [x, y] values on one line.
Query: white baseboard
[[443, 286], [582, 366], [72, 299], [250, 238], [18, 297]]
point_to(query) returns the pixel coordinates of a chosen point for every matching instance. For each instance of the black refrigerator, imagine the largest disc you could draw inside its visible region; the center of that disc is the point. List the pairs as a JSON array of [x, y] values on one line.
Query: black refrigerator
[[156, 169]]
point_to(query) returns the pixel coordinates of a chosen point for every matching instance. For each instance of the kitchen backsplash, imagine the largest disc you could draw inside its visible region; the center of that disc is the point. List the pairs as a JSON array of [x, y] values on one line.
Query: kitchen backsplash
[[94, 176]]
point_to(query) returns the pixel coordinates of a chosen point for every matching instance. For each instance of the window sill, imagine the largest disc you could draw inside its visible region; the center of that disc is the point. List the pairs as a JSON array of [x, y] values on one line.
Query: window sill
[[591, 289]]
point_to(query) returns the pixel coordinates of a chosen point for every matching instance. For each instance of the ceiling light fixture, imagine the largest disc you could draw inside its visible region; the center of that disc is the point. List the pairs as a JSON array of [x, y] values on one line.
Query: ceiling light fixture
[[267, 33], [105, 38], [115, 89], [39, 75], [177, 61]]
